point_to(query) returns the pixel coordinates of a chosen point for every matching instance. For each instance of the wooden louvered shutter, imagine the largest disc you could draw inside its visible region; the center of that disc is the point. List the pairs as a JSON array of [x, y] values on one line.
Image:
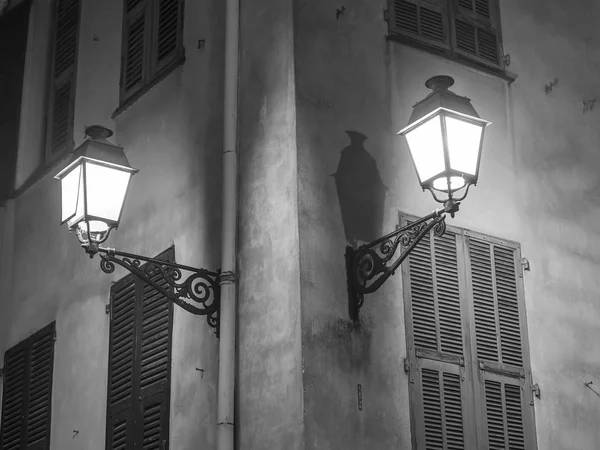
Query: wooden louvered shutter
[[120, 423], [425, 21], [476, 32], [167, 43], [434, 287], [139, 364], [26, 408], [64, 70], [135, 51], [501, 359]]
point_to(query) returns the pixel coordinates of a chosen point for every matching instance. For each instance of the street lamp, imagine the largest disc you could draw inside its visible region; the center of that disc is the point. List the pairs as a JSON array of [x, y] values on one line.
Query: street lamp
[[445, 138], [94, 186]]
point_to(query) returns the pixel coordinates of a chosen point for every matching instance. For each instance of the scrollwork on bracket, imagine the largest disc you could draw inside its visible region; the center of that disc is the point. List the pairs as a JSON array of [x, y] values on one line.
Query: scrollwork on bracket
[[370, 265], [198, 294]]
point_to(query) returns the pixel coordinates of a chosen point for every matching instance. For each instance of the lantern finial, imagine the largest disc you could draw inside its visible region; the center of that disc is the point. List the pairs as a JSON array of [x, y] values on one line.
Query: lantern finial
[[98, 132], [439, 83]]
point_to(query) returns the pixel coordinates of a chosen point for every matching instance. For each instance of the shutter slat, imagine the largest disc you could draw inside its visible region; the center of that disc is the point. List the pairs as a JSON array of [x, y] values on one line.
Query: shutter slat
[[508, 306], [465, 37], [155, 336], [65, 49], [28, 392], [152, 426], [14, 398], [448, 294], [168, 27], [62, 103], [482, 7], [432, 24], [419, 19], [504, 415], [61, 117], [483, 300], [135, 52], [453, 411], [442, 409], [122, 344], [488, 45], [423, 306]]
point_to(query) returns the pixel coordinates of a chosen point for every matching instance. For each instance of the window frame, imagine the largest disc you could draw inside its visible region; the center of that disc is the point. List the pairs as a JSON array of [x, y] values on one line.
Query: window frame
[[474, 415], [449, 49], [152, 71]]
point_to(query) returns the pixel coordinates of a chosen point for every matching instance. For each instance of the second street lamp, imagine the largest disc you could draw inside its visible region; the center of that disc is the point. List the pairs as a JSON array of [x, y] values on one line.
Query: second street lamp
[[445, 139]]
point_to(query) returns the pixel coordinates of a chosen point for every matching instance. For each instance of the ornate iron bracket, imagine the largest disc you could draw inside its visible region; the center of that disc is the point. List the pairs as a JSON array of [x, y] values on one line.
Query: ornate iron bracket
[[370, 265], [199, 293]]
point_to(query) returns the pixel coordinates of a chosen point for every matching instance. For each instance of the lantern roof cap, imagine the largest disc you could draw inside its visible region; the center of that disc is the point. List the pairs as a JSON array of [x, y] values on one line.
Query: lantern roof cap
[[441, 98], [96, 147]]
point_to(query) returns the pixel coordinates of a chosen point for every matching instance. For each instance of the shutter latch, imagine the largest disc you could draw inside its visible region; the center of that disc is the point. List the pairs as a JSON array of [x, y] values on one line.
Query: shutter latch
[[386, 15], [406, 365], [107, 308], [536, 390], [524, 266]]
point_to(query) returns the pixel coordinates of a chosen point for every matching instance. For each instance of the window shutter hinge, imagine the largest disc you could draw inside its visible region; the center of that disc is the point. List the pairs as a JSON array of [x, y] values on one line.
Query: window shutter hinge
[[386, 15], [506, 59], [536, 390], [1, 372], [407, 367], [525, 266], [107, 308]]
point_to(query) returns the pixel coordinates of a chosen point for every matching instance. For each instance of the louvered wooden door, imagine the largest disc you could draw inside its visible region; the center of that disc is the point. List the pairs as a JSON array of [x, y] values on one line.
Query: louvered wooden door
[[139, 365], [64, 70], [467, 358], [435, 311], [26, 409], [503, 391]]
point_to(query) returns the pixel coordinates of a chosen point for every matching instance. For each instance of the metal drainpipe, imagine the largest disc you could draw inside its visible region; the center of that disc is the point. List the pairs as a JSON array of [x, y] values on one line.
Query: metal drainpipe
[[226, 386]]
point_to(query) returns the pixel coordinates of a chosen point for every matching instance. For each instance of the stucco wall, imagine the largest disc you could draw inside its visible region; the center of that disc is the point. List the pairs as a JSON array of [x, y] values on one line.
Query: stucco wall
[[538, 186], [173, 134], [269, 393]]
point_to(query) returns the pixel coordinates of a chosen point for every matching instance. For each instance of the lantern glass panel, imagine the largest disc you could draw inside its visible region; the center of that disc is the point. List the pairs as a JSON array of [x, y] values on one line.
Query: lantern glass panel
[[106, 188], [464, 142], [427, 148], [72, 195]]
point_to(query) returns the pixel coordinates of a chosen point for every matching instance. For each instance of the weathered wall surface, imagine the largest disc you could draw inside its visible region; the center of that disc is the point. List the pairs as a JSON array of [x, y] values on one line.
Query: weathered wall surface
[[269, 404], [538, 186], [173, 134]]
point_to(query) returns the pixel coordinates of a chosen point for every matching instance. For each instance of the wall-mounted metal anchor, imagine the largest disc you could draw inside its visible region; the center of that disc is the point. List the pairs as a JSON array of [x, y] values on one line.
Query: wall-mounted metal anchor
[[201, 43], [551, 85], [201, 372], [588, 384], [75, 433], [340, 12], [588, 105]]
